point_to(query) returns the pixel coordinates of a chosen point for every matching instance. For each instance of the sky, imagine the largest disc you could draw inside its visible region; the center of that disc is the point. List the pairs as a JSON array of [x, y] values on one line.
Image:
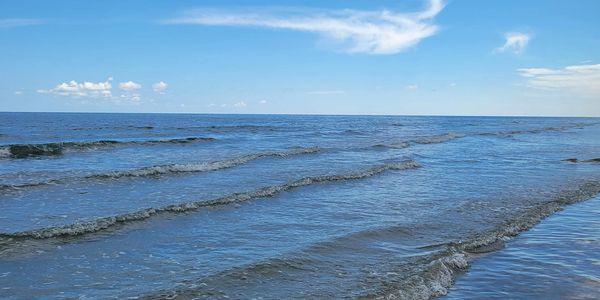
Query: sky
[[411, 57]]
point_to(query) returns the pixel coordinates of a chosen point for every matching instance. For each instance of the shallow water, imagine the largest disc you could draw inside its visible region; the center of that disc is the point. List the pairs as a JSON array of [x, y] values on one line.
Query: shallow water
[[127, 205], [557, 259]]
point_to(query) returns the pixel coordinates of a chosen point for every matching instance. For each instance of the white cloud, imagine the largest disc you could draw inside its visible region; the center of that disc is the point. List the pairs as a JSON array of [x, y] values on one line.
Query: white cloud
[[8, 23], [129, 86], [262, 102], [240, 104], [327, 92], [18, 93], [412, 87], [159, 87], [581, 79], [516, 42], [372, 32], [84, 89]]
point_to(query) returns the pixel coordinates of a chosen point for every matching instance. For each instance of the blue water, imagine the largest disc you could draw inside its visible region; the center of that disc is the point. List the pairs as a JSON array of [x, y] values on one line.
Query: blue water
[[557, 259], [247, 206]]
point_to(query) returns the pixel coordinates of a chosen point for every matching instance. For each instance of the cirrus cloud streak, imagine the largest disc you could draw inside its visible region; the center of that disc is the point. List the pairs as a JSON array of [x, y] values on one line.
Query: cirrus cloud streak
[[581, 79], [371, 32]]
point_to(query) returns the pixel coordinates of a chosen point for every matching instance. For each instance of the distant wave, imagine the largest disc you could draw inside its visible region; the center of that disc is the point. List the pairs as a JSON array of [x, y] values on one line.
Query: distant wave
[[204, 166], [271, 191], [585, 161], [435, 139], [172, 168], [55, 149], [436, 273], [537, 130]]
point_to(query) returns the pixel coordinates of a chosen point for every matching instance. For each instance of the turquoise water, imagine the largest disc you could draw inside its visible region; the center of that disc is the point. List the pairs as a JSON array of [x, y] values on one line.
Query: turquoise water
[[148, 205]]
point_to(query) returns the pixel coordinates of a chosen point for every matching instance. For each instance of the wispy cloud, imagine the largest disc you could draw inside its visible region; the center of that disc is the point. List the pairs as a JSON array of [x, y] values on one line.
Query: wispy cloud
[[581, 79], [516, 42], [15, 22], [326, 92], [412, 87], [371, 32]]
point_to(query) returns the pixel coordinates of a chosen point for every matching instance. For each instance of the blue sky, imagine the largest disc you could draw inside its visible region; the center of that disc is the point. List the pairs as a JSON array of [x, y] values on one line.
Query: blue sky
[[424, 57]]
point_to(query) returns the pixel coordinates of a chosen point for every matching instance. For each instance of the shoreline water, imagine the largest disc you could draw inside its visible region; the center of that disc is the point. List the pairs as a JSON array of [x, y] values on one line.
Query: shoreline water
[[552, 260]]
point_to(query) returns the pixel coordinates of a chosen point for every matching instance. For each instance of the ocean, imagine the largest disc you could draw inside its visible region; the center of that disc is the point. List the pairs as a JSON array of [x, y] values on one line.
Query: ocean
[[152, 206]]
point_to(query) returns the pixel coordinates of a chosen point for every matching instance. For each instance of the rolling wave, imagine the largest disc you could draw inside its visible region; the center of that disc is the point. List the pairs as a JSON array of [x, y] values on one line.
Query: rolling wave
[[55, 149], [437, 272], [100, 224], [172, 168]]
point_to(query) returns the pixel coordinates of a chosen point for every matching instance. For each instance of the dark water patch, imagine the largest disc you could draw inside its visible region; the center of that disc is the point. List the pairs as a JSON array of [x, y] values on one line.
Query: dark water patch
[[57, 149], [586, 161], [105, 223]]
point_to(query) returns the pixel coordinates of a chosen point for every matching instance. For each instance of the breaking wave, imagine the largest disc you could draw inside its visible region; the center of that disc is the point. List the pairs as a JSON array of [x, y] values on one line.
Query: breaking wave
[[96, 225], [55, 149], [438, 271]]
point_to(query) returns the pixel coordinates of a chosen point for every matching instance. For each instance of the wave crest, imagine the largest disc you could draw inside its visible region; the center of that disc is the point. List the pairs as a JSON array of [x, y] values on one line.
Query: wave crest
[[271, 191]]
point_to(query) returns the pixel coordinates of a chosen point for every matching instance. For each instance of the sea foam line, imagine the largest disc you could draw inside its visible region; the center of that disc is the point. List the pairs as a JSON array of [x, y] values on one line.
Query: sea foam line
[[96, 225]]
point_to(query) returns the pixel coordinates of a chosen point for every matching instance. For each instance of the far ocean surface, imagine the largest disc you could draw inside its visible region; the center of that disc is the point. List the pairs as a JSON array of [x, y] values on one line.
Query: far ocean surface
[[100, 206]]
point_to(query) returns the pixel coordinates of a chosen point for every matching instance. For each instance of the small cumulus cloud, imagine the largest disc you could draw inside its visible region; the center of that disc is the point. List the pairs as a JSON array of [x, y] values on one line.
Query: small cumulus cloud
[[15, 22], [356, 31], [581, 79], [412, 87], [84, 89], [262, 102], [515, 42], [129, 86], [159, 87], [18, 93]]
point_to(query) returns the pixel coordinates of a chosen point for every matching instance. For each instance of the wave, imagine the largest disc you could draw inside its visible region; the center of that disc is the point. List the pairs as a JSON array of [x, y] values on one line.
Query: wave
[[56, 149], [204, 166], [436, 139], [438, 271], [538, 130], [100, 224], [586, 161], [171, 169], [396, 145]]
